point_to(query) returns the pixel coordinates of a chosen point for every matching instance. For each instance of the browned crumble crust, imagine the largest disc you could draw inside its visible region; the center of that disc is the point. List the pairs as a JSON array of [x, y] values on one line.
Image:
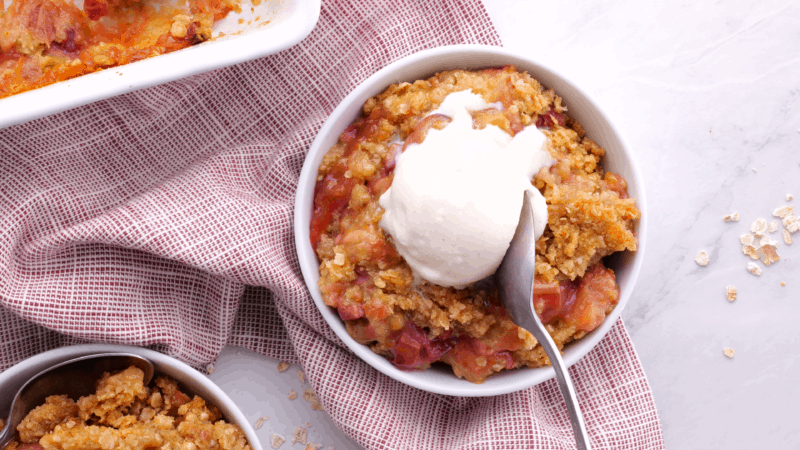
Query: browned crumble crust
[[590, 217], [123, 413]]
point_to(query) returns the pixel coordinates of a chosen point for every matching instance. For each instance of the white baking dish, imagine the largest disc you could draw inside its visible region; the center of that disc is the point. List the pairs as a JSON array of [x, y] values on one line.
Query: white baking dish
[[270, 27]]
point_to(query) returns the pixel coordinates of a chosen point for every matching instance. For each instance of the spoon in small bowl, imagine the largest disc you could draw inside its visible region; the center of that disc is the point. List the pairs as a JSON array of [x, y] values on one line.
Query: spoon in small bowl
[[515, 280], [74, 378]]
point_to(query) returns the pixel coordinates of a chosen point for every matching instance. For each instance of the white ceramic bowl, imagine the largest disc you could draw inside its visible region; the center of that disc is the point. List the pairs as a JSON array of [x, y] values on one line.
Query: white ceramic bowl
[[289, 22], [12, 379], [422, 65]]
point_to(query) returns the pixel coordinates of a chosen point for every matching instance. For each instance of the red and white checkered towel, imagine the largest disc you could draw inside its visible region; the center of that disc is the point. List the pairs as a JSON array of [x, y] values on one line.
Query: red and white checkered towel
[[163, 218]]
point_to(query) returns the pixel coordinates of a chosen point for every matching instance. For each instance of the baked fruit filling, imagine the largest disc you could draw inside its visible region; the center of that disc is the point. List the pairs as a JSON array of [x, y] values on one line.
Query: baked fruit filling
[[415, 323], [46, 41]]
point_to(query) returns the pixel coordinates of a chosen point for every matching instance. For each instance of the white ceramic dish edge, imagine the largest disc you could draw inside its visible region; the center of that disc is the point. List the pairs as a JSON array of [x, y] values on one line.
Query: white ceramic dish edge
[[13, 379], [291, 25], [422, 65]]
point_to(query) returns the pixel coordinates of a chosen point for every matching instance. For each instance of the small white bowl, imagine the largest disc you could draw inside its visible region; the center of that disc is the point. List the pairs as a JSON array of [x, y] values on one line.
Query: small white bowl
[[12, 379], [422, 65]]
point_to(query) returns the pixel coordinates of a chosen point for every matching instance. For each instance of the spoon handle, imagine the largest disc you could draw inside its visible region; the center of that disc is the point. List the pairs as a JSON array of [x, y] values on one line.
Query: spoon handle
[[567, 389]]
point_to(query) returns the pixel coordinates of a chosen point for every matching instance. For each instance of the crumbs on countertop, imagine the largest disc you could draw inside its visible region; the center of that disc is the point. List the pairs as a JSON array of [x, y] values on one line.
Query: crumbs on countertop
[[701, 259], [730, 293], [734, 217], [276, 440]]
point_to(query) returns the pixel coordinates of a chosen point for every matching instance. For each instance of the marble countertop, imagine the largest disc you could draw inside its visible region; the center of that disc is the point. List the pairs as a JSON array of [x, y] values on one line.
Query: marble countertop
[[707, 95]]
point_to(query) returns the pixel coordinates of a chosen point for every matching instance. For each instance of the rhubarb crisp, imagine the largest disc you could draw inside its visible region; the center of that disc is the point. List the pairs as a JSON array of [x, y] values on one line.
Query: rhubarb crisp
[[45, 41], [126, 414], [414, 323]]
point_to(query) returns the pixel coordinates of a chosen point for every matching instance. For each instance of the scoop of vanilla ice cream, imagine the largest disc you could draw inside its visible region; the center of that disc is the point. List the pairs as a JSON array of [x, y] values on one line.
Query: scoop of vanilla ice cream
[[455, 201]]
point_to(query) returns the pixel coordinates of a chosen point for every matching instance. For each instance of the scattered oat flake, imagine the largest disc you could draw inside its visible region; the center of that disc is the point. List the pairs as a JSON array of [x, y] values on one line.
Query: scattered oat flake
[[747, 239], [301, 377], [210, 368], [773, 226], [754, 169], [701, 259], [769, 254], [259, 423], [292, 395], [766, 240], [283, 366], [299, 435], [731, 217], [276, 440], [789, 197], [783, 284], [791, 223], [787, 238], [728, 352], [759, 227], [313, 446], [783, 211], [730, 291], [754, 269], [311, 397], [750, 251]]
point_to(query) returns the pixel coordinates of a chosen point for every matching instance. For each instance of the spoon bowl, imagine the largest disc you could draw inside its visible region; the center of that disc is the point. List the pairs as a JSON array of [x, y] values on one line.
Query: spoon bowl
[[75, 378]]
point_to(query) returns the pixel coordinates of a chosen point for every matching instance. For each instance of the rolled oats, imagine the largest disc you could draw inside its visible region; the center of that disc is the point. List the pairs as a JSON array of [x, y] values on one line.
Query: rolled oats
[[791, 223], [754, 269], [747, 239], [769, 253], [759, 227], [276, 440], [787, 238], [783, 211], [728, 352], [701, 259], [300, 435], [283, 366], [730, 292], [773, 226], [750, 251], [734, 217], [311, 397]]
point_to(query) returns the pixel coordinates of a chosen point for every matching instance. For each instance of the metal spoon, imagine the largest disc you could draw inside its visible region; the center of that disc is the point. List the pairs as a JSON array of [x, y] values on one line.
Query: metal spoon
[[515, 280], [75, 378]]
